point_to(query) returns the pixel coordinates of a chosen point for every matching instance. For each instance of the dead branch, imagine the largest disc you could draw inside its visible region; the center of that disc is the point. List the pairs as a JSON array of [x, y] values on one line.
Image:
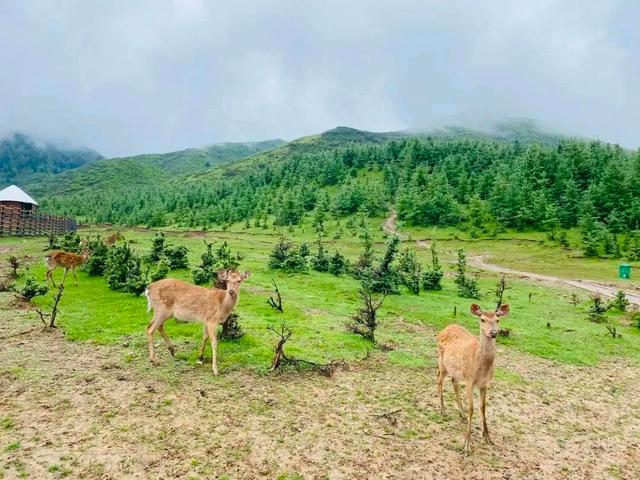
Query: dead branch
[[277, 302], [49, 318], [390, 416], [281, 360]]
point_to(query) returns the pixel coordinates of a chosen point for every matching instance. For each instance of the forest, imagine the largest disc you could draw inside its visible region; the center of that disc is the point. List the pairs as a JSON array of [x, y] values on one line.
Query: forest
[[478, 185]]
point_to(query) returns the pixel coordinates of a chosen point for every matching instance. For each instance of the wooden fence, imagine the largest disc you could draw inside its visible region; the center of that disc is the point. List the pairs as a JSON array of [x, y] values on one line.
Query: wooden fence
[[17, 222]]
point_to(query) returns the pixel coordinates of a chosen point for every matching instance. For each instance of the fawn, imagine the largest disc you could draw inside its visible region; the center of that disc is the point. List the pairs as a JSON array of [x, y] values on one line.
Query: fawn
[[66, 260]]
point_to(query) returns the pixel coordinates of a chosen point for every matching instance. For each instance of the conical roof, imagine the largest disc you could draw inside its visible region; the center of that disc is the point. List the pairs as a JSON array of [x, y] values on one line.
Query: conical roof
[[15, 194]]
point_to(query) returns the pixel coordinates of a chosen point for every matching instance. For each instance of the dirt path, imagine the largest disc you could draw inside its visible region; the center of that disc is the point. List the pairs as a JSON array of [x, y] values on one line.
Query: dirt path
[[589, 285], [390, 225]]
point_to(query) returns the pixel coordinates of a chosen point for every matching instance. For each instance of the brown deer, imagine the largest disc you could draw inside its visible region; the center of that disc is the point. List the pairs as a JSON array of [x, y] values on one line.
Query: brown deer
[[466, 358], [66, 260], [190, 303], [111, 240]]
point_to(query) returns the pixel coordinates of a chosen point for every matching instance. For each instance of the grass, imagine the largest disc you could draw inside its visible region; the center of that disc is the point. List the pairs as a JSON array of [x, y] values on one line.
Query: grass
[[317, 305]]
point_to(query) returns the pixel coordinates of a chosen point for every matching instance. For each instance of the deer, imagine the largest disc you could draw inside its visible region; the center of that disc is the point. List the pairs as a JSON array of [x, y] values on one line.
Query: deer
[[186, 302], [66, 260], [111, 240], [471, 360]]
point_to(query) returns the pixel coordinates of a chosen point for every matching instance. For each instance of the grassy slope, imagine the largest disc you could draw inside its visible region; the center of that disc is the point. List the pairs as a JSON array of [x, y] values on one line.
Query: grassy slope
[[147, 169], [317, 306]]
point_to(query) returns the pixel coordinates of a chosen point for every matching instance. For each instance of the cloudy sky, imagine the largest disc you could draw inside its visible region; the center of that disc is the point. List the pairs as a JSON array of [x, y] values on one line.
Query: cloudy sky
[[128, 77]]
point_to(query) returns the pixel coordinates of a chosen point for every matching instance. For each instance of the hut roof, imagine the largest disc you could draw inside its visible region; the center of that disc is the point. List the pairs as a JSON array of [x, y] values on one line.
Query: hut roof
[[15, 194]]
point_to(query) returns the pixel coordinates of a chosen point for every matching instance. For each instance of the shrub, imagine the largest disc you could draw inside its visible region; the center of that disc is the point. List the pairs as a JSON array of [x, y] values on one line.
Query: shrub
[[620, 303], [410, 270], [467, 287], [97, 261], [123, 270], [320, 262], [231, 329], [32, 288], [365, 320], [288, 257], [157, 248], [70, 242], [363, 266], [176, 256], [14, 264], [384, 278], [432, 278], [597, 310], [635, 318], [159, 271], [338, 264], [206, 271]]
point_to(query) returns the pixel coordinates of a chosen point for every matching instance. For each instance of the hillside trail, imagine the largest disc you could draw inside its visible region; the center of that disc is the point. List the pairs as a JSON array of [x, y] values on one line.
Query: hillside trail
[[478, 261]]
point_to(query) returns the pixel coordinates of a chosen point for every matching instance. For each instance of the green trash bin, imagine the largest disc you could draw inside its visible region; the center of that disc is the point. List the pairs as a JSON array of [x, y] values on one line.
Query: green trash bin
[[624, 271]]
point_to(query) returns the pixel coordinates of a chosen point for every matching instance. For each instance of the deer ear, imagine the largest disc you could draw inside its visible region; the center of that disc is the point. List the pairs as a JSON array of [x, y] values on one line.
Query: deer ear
[[223, 274], [246, 275], [476, 310], [503, 311]]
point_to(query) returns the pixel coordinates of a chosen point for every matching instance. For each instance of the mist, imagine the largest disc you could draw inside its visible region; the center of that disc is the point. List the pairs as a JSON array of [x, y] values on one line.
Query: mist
[[154, 76]]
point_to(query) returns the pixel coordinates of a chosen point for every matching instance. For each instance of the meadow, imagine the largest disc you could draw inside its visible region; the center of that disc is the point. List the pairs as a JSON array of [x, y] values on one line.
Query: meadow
[[548, 333]]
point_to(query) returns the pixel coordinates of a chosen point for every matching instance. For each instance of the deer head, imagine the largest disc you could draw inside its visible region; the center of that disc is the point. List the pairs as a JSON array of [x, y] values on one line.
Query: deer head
[[233, 280], [489, 320]]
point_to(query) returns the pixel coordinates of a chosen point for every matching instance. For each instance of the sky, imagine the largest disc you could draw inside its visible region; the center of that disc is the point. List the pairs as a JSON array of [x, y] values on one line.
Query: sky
[[133, 76]]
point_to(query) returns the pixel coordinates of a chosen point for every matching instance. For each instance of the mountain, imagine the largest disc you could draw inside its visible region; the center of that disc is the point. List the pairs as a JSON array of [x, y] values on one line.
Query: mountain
[[148, 169], [24, 159]]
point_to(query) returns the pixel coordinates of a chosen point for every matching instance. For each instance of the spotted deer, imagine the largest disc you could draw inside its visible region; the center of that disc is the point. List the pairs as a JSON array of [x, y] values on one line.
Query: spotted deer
[[190, 303], [113, 239], [471, 360], [66, 260]]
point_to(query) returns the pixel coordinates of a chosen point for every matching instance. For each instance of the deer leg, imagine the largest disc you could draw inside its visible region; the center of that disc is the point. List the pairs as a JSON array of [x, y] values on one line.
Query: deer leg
[[152, 327], [213, 336], [203, 344], [456, 389], [469, 387], [50, 277], [167, 340], [75, 278], [440, 382], [64, 275], [483, 408]]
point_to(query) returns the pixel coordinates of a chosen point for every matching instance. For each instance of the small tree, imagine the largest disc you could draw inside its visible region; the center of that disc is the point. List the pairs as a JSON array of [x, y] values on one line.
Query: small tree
[[32, 288], [338, 264], [14, 264], [157, 248], [384, 278], [206, 272], [620, 302], [276, 302], [159, 271], [231, 329], [597, 309], [71, 242], [176, 256], [97, 261], [49, 318], [363, 266], [410, 270], [123, 270], [286, 256], [432, 278], [467, 287], [501, 287], [365, 320]]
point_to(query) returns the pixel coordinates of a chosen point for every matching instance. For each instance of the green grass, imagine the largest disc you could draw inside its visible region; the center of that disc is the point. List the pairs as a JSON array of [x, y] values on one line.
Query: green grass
[[317, 305]]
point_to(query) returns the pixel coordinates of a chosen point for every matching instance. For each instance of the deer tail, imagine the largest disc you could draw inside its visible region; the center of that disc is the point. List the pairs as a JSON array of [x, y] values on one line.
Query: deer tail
[[146, 294]]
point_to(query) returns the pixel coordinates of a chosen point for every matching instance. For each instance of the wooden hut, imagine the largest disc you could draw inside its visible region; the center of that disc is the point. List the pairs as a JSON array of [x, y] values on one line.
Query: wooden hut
[[15, 197], [19, 216]]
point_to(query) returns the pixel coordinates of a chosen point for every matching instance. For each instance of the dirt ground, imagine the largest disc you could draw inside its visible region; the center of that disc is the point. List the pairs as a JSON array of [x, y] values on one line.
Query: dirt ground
[[78, 410]]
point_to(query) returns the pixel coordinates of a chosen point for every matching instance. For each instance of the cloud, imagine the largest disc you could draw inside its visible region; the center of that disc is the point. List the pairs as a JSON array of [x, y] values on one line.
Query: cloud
[[131, 77]]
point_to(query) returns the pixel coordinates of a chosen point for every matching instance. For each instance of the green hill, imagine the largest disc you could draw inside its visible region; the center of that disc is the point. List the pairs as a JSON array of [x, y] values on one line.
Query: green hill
[[24, 159], [149, 169]]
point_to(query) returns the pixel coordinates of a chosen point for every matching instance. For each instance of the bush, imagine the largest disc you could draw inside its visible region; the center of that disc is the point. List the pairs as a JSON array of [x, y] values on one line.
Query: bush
[[410, 270], [467, 287], [320, 262], [97, 261], [14, 264], [384, 278], [123, 270], [206, 271], [635, 318], [32, 288], [176, 256], [338, 264], [288, 257], [597, 310], [364, 265], [70, 242], [365, 320], [231, 329], [620, 303], [159, 271], [157, 248], [432, 278]]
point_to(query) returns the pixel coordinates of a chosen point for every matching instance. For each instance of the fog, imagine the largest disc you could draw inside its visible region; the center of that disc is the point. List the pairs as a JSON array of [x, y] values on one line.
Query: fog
[[128, 77]]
